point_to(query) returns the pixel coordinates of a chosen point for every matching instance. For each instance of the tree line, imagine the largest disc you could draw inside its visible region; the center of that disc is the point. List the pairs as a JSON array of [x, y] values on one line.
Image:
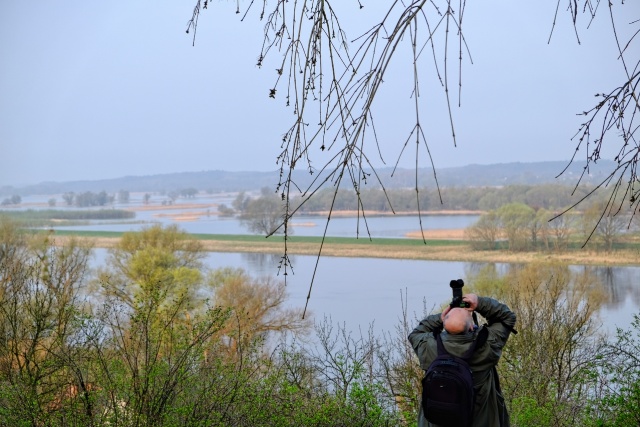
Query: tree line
[[264, 213], [13, 200], [547, 196], [102, 198], [519, 227], [152, 338]]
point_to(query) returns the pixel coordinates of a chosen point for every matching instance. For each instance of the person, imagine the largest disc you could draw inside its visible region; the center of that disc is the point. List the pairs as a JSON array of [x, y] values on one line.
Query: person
[[459, 332]]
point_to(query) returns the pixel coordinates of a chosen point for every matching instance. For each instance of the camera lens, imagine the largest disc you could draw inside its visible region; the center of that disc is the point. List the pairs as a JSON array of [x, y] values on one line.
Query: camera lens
[[456, 288]]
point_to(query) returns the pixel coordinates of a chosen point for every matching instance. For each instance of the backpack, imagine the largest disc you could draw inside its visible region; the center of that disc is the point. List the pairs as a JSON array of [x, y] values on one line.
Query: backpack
[[448, 396]]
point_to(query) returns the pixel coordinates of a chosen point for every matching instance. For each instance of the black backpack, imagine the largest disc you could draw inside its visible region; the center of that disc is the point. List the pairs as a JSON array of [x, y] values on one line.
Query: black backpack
[[448, 396]]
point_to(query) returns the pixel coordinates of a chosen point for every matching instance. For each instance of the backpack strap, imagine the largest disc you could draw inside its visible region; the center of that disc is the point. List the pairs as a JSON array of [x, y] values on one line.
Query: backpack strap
[[440, 346], [479, 341]]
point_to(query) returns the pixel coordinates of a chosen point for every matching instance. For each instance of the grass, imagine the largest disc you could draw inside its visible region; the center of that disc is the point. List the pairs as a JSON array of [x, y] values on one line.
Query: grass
[[49, 217], [246, 238]]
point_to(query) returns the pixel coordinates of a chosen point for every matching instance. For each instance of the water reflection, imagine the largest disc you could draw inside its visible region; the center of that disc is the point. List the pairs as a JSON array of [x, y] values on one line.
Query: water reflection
[[362, 291], [618, 283], [263, 262]]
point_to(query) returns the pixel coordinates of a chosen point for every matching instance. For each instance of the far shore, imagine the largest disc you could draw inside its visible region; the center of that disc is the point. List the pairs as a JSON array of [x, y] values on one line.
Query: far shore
[[433, 251], [211, 210], [441, 245]]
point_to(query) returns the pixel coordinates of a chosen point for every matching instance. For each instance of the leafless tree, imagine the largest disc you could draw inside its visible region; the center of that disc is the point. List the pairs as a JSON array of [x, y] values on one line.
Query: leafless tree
[[485, 232], [558, 231], [605, 225], [332, 82]]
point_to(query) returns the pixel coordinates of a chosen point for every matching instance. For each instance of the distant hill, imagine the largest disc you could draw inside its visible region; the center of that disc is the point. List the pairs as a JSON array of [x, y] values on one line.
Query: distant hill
[[222, 181]]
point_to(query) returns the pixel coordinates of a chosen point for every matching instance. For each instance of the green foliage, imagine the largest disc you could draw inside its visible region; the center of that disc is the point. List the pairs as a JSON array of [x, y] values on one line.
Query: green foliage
[[602, 225], [516, 221], [485, 233], [149, 351], [545, 367], [618, 371], [548, 196], [40, 323], [158, 261], [524, 228], [528, 413], [257, 304]]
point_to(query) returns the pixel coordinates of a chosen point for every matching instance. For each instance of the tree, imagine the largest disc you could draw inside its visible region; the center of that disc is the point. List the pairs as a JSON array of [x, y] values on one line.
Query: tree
[[618, 370], [123, 196], [13, 200], [537, 226], [173, 196], [42, 349], [557, 333], [604, 225], [88, 198], [516, 220], [225, 210], [485, 232], [557, 231], [159, 328], [157, 259], [68, 198], [258, 307], [329, 74], [332, 79], [189, 193], [240, 202], [265, 214]]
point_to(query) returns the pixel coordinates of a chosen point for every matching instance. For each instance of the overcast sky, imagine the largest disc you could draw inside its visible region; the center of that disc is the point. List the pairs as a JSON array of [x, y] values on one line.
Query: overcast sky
[[94, 90]]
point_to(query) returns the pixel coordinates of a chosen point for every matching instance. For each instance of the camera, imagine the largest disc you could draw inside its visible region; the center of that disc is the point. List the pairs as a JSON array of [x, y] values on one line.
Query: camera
[[456, 288]]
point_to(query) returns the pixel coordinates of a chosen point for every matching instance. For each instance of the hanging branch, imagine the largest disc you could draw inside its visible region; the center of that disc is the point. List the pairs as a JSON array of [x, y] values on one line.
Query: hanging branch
[[332, 85]]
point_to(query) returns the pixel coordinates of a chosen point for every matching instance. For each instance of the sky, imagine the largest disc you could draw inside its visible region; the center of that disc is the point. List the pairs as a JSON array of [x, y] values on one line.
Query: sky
[[99, 90]]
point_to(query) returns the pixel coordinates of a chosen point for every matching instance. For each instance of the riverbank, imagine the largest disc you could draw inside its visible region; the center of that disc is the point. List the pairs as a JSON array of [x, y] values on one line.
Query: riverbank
[[433, 249], [435, 252]]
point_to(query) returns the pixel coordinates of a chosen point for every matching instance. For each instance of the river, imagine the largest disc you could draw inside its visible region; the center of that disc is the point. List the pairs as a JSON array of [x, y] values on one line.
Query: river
[[363, 291], [199, 216]]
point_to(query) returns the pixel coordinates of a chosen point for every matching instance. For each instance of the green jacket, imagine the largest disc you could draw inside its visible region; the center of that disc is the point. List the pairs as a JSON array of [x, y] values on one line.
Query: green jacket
[[489, 408]]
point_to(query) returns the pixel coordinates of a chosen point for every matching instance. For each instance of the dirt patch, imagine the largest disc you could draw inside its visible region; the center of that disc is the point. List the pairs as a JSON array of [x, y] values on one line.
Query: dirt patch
[[186, 216], [450, 234], [176, 206], [370, 213]]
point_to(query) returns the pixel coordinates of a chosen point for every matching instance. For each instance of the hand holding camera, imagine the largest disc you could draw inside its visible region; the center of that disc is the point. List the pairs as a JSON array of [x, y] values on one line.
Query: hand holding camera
[[469, 301], [456, 288]]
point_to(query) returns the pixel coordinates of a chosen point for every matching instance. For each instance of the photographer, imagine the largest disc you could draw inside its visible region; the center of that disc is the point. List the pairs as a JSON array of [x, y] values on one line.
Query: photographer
[[459, 335]]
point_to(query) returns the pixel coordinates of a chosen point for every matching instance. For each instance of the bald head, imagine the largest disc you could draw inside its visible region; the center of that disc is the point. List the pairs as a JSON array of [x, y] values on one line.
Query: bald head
[[457, 321]]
